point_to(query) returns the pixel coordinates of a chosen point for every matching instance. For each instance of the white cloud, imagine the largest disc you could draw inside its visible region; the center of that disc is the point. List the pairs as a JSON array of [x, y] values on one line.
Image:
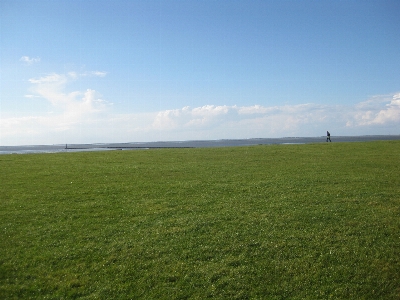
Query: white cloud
[[210, 110], [83, 117], [28, 60], [391, 113], [49, 78], [71, 108], [255, 109], [99, 73], [216, 122], [378, 110], [52, 88], [75, 75]]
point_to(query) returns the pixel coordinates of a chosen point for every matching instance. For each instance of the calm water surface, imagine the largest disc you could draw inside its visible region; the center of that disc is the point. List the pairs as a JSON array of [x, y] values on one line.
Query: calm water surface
[[187, 144]]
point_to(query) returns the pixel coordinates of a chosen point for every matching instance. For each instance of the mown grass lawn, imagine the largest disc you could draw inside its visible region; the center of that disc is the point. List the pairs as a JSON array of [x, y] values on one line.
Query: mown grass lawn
[[315, 221]]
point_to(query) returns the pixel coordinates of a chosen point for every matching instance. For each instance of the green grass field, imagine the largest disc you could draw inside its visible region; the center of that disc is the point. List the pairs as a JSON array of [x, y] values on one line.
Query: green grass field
[[314, 221]]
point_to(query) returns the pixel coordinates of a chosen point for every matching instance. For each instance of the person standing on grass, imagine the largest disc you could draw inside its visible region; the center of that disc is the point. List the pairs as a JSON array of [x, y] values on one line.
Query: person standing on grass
[[328, 136]]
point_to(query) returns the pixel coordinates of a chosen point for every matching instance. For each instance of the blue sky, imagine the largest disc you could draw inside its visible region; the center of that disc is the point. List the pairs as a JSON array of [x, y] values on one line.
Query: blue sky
[[87, 71]]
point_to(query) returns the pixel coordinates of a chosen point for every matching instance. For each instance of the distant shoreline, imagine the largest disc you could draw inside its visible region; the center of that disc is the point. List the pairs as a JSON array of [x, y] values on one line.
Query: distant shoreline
[[187, 144]]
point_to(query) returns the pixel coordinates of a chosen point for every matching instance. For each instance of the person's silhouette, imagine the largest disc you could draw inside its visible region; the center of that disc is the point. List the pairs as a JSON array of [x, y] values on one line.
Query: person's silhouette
[[328, 136]]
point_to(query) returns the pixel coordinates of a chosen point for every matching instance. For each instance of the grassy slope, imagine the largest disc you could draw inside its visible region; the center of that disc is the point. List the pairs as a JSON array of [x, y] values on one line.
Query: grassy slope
[[282, 221]]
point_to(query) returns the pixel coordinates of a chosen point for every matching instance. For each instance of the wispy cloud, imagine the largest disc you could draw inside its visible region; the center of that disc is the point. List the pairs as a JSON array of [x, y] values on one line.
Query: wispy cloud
[[241, 122], [83, 117], [75, 75], [57, 78], [378, 110], [98, 73], [74, 106], [218, 122], [28, 60], [31, 96]]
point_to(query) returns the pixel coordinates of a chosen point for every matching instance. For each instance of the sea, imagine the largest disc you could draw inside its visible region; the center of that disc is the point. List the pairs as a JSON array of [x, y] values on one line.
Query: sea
[[62, 148]]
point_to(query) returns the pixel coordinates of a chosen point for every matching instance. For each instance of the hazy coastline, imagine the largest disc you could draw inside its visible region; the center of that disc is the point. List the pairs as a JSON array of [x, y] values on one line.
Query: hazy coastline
[[186, 144]]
